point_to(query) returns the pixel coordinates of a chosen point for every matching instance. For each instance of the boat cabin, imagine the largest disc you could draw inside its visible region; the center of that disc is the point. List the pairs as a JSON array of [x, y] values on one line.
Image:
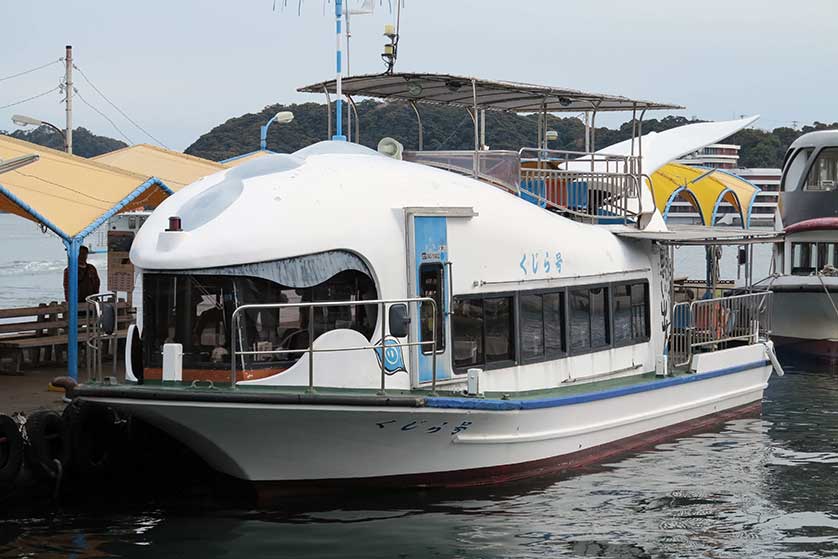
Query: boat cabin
[[340, 266]]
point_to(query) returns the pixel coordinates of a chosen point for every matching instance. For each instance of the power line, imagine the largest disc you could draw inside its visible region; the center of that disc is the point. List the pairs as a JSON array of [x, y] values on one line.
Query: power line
[[56, 88], [19, 74], [111, 103], [103, 115]]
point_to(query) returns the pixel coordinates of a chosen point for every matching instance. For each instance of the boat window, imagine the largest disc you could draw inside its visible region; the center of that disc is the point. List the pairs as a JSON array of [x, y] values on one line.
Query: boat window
[[589, 320], [431, 280], [467, 332], [196, 310], [823, 175], [483, 331], [803, 259], [631, 312], [541, 318], [794, 171]]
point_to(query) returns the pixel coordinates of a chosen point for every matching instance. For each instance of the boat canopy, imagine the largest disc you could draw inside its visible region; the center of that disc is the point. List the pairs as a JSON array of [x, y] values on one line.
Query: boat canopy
[[705, 189], [462, 91]]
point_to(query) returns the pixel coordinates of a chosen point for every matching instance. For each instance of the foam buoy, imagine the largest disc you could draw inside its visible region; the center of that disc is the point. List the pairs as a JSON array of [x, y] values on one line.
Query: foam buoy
[[47, 443], [11, 449], [96, 431]]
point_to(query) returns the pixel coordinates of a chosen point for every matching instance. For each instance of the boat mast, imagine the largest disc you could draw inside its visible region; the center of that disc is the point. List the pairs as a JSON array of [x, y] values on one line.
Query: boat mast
[[339, 86]]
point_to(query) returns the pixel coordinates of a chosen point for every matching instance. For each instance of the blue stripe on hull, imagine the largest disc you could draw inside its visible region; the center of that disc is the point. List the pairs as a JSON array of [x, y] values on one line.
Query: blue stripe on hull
[[501, 405]]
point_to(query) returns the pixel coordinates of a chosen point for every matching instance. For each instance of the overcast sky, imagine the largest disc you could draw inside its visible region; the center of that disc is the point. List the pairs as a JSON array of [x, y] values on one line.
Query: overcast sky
[[179, 68]]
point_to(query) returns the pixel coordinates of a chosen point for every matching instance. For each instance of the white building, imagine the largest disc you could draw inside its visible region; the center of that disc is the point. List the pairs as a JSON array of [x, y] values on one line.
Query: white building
[[726, 156]]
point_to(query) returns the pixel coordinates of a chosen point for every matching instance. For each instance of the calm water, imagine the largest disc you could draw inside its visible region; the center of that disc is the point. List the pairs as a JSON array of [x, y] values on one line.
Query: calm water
[[765, 487], [32, 263]]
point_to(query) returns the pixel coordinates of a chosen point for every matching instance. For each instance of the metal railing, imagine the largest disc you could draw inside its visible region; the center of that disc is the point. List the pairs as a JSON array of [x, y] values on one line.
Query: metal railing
[[101, 327], [709, 324], [382, 307], [591, 186], [498, 167]]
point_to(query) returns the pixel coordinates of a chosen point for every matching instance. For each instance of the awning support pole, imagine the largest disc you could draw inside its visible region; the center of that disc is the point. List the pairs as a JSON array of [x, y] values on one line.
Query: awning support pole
[[476, 163], [419, 121], [73, 307], [328, 113]]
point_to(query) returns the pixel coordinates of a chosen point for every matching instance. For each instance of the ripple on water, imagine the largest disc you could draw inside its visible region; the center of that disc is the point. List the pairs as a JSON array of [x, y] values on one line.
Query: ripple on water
[[756, 488]]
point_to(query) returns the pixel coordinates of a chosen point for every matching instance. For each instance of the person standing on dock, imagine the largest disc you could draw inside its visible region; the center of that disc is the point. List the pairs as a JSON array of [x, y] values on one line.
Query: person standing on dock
[[88, 277]]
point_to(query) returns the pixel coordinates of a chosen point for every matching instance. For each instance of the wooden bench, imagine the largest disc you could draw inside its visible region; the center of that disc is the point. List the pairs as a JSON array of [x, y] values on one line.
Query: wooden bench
[[40, 333]]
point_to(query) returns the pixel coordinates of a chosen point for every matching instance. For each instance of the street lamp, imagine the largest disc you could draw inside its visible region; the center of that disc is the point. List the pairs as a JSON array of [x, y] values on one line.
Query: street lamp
[[282, 117], [23, 121]]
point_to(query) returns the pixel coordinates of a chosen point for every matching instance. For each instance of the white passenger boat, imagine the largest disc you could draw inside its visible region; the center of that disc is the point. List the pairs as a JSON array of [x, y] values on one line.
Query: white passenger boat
[[806, 263], [341, 315]]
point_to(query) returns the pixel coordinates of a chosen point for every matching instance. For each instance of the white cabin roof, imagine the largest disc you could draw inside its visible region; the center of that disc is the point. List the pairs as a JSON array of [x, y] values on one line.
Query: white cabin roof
[[342, 196]]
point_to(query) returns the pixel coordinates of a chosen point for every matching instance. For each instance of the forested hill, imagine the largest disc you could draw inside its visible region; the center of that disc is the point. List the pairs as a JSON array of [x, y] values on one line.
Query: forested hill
[[85, 142], [451, 128]]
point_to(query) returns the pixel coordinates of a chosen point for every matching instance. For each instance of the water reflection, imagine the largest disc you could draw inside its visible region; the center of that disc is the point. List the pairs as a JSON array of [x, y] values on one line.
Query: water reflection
[[756, 488]]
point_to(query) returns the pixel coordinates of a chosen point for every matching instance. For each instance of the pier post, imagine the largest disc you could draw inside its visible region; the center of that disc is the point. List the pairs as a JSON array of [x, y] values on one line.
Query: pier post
[[73, 307]]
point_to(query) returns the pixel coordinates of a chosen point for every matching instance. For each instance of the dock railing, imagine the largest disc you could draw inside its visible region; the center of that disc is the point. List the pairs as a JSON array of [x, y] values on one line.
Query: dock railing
[[235, 338], [597, 187], [709, 324]]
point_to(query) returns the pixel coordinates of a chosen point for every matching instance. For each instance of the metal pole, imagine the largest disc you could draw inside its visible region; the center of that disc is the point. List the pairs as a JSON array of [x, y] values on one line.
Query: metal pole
[[419, 121], [349, 112], [587, 132], [311, 348], [68, 80], [433, 353], [73, 308], [383, 347], [338, 73], [328, 112], [483, 129], [354, 109], [640, 144], [476, 158]]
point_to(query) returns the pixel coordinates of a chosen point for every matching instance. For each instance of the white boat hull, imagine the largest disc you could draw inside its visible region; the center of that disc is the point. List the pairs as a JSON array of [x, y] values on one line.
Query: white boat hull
[[441, 440]]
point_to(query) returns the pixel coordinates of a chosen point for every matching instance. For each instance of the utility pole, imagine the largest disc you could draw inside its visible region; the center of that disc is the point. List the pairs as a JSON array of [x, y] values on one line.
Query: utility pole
[[68, 83]]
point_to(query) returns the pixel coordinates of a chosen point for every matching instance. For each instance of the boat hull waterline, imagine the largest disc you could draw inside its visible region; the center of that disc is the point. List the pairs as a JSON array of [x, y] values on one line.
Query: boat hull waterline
[[440, 444]]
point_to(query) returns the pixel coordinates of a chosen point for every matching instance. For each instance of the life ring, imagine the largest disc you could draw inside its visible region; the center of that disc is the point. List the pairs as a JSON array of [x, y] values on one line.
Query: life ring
[[95, 432], [46, 441], [11, 449]]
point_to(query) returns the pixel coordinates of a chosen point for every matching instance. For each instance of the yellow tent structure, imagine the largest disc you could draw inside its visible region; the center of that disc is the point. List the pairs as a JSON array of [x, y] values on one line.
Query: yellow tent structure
[[172, 167], [71, 195], [705, 189]]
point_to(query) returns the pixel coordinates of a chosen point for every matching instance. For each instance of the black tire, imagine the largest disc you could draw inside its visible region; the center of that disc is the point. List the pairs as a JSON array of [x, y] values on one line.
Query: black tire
[[96, 432], [47, 441], [11, 450]]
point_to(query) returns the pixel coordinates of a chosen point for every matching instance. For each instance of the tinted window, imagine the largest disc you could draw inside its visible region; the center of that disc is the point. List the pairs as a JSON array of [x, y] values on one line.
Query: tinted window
[[553, 323], [823, 175], [589, 320], [600, 332], [500, 340], [482, 331], [541, 317], [532, 326], [794, 170], [467, 332], [196, 310], [431, 285], [580, 320], [630, 312]]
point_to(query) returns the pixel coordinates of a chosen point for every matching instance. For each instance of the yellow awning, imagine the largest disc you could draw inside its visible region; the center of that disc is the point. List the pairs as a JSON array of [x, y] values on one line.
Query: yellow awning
[[704, 189], [172, 167], [70, 194]]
